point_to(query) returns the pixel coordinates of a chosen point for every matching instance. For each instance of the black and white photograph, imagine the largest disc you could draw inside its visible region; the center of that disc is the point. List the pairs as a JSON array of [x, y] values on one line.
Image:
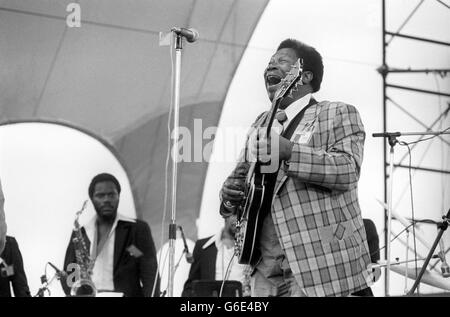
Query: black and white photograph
[[237, 149]]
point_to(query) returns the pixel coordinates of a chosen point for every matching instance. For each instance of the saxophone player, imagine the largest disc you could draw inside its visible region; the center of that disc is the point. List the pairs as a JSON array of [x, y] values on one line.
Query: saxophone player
[[121, 250]]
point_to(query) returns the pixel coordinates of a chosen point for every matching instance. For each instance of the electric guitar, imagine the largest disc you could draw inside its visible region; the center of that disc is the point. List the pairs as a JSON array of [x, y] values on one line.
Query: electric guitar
[[249, 218]]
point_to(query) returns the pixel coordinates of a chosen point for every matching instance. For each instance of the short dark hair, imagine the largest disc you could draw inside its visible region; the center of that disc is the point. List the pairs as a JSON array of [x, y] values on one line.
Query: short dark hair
[[312, 61], [103, 177]]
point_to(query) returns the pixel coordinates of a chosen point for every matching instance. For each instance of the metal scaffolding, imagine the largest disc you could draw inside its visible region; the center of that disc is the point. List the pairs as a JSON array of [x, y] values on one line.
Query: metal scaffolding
[[384, 70]]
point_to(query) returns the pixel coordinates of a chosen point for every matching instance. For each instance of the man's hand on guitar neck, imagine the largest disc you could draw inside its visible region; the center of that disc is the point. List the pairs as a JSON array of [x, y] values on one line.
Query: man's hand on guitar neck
[[231, 196], [232, 193], [275, 147]]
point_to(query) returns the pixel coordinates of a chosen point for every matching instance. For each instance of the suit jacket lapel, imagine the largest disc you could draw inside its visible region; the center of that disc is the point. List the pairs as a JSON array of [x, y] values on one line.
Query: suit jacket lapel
[[282, 177], [213, 256], [208, 259], [122, 232]]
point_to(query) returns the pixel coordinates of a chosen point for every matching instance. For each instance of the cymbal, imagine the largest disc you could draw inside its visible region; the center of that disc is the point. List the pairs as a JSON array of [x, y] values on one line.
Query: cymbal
[[429, 278]]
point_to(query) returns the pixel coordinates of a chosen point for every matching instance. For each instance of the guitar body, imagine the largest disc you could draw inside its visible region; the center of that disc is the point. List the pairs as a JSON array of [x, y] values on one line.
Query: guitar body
[[250, 222], [250, 218]]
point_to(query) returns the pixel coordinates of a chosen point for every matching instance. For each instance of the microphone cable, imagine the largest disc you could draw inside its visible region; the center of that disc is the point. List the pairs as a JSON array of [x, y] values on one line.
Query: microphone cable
[[413, 218], [227, 274]]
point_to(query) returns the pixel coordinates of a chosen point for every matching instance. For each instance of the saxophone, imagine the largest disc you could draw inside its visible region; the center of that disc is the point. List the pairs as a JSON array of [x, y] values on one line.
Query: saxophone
[[84, 285]]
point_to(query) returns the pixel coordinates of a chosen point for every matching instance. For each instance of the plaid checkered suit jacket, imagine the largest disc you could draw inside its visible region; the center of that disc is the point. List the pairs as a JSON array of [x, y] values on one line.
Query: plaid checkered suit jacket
[[315, 205]]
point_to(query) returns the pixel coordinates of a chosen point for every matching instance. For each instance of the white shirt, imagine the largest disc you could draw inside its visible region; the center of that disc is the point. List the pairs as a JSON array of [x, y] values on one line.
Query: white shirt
[[102, 275], [294, 108], [224, 255], [291, 111]]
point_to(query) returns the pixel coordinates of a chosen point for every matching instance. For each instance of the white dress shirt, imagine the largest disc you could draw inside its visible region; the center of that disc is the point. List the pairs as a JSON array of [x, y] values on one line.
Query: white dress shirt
[[102, 275], [294, 108], [291, 111], [224, 255]]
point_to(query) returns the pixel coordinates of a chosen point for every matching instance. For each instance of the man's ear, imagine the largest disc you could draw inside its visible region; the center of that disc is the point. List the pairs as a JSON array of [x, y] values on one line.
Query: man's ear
[[307, 77]]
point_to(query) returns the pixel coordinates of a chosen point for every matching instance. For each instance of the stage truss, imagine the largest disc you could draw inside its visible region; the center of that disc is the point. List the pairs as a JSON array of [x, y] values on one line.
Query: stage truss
[[384, 70]]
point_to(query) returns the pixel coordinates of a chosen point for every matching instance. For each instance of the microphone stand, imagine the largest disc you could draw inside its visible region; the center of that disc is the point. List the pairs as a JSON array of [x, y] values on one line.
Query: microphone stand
[[392, 140], [442, 227], [189, 258], [46, 284], [176, 103], [179, 260], [163, 294]]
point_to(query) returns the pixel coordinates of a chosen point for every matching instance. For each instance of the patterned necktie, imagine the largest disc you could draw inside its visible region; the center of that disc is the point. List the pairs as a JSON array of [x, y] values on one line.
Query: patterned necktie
[[281, 119]]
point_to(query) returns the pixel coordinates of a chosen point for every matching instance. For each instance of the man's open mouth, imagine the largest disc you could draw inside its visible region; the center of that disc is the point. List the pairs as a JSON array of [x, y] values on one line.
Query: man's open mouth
[[273, 80]]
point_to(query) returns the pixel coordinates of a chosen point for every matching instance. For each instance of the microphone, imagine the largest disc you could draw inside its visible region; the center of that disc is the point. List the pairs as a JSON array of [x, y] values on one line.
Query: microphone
[[191, 35], [189, 257], [59, 273]]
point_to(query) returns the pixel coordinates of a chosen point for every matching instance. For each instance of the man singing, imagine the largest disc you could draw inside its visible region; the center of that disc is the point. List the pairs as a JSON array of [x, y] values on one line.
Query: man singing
[[312, 241]]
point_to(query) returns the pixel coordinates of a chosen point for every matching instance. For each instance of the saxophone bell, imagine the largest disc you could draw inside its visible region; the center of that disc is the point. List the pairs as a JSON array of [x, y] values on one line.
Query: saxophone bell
[[83, 287]]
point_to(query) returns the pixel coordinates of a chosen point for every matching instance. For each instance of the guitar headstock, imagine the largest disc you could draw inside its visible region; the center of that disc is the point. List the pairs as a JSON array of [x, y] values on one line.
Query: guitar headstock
[[289, 83]]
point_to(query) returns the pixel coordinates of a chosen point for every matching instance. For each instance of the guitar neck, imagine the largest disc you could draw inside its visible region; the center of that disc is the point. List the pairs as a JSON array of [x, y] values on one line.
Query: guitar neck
[[271, 116], [287, 84]]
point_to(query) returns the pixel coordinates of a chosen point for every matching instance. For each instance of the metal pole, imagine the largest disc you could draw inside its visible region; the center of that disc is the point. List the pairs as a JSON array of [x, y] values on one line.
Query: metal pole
[[176, 121], [383, 264], [426, 70], [407, 259], [434, 170], [430, 254], [435, 133], [383, 74], [389, 221], [418, 38], [424, 91]]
